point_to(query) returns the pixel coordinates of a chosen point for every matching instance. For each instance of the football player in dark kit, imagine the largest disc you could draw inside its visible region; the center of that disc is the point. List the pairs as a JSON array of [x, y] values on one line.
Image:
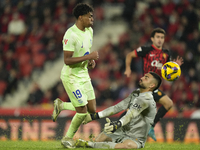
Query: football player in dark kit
[[154, 57]]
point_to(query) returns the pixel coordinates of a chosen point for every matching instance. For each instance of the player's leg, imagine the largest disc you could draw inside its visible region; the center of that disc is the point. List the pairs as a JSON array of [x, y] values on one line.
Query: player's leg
[[116, 137], [78, 98], [91, 106], [59, 105], [126, 144], [101, 145], [102, 137]]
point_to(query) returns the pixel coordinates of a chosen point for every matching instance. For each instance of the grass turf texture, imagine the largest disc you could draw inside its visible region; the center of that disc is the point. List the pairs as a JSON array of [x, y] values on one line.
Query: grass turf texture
[[55, 145]]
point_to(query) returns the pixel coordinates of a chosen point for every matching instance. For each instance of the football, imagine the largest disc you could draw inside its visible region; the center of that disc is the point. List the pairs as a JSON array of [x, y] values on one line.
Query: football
[[170, 71]]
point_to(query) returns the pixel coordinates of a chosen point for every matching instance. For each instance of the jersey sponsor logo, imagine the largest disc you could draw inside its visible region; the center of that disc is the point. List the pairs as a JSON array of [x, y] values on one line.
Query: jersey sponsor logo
[[151, 55], [157, 64], [65, 41], [139, 49], [137, 106]]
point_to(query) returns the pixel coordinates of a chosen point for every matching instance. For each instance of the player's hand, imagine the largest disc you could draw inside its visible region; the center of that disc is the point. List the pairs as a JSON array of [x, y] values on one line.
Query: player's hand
[[127, 72], [91, 64], [90, 117], [178, 60], [111, 126], [94, 55]]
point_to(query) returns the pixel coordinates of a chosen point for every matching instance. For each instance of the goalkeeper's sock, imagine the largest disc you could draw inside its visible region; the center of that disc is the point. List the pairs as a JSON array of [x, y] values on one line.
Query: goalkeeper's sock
[[103, 145], [76, 122], [160, 114], [67, 106]]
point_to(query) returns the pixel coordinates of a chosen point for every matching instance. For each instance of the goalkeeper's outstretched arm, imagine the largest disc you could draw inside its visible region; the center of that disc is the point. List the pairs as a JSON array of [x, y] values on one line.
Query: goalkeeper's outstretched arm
[[112, 126], [109, 111]]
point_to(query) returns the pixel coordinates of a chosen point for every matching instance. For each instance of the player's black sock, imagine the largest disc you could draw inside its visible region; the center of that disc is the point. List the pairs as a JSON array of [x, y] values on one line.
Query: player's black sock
[[160, 114]]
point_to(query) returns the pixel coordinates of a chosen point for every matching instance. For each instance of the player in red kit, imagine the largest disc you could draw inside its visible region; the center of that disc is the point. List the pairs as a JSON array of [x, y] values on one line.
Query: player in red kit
[[154, 57]]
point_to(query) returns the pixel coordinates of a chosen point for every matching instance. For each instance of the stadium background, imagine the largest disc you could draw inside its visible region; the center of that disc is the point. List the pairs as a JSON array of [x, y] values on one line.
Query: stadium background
[[31, 58]]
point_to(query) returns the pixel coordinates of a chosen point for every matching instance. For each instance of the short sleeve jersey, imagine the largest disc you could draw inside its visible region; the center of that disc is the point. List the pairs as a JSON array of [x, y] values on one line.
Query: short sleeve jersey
[[80, 43], [153, 58]]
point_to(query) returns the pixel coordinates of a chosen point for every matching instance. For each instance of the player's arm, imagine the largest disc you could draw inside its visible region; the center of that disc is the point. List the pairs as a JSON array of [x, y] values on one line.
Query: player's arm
[[69, 46], [134, 111], [69, 60], [178, 60], [129, 58], [138, 107], [109, 111]]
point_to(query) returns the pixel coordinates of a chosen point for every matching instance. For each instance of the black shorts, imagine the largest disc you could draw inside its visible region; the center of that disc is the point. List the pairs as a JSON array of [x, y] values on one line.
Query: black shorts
[[157, 95]]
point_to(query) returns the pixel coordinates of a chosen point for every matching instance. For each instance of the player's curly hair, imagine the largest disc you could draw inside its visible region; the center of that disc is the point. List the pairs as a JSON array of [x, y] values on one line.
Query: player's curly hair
[[82, 9], [157, 30]]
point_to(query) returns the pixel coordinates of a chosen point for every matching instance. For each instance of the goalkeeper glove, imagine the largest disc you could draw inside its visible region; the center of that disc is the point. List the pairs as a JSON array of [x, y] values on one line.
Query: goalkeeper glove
[[111, 126], [90, 117]]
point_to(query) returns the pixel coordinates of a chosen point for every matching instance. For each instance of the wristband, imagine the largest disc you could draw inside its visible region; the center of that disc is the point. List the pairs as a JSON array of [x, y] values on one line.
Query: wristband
[[116, 125], [94, 116]]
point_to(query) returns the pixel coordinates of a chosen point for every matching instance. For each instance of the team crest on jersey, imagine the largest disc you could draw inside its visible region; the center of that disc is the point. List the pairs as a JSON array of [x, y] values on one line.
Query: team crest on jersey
[[164, 55], [139, 49], [159, 93], [65, 41], [80, 101]]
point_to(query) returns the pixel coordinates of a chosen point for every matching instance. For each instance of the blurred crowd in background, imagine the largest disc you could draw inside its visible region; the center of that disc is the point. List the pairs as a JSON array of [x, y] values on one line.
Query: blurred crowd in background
[[31, 33]]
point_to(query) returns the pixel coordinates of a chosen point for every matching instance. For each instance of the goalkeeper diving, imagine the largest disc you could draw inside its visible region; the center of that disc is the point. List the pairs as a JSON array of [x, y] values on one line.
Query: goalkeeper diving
[[132, 129]]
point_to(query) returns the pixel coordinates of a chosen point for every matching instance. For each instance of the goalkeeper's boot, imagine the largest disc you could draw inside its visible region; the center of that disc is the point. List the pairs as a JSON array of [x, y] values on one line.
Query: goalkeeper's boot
[[57, 109], [68, 142], [152, 133], [81, 143]]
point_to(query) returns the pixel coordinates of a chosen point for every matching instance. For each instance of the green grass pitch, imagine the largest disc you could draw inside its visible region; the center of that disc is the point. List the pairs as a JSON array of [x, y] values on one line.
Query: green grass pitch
[[55, 145]]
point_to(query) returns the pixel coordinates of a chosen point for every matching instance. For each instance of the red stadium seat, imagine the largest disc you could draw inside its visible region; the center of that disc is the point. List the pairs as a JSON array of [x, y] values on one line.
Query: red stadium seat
[[24, 59], [3, 86], [26, 70], [22, 49], [38, 60], [36, 48]]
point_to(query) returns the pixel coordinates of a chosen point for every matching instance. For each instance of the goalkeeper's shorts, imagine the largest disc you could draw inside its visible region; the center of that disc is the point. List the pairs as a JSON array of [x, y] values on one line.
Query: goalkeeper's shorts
[[119, 136]]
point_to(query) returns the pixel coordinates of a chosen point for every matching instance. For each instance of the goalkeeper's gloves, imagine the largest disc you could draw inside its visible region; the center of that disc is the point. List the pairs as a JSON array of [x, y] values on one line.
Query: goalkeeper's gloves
[[90, 117], [111, 126]]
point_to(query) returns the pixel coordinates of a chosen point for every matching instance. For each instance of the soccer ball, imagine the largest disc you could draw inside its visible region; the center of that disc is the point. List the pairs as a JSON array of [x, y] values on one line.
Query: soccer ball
[[170, 71]]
